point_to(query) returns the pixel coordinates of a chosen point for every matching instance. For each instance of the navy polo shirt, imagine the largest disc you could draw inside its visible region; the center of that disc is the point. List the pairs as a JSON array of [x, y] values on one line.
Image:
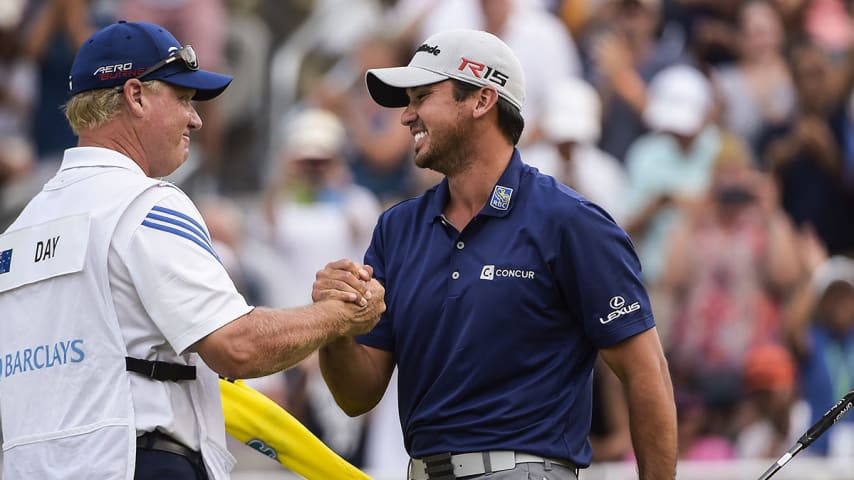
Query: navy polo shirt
[[495, 329]]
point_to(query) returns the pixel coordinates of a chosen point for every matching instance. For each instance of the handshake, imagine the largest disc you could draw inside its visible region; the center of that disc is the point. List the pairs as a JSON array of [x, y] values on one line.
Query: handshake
[[360, 296]]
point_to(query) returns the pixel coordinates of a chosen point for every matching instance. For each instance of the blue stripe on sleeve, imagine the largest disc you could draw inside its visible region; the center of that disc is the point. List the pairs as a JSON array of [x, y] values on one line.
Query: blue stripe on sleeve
[[181, 233], [184, 225], [178, 214]]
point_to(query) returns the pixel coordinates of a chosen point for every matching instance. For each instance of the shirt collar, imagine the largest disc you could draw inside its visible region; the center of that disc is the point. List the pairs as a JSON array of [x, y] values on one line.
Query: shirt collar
[[77, 157], [501, 199]]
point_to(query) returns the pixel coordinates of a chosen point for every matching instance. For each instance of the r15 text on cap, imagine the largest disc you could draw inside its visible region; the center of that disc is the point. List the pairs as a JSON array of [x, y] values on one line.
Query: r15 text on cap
[[480, 70]]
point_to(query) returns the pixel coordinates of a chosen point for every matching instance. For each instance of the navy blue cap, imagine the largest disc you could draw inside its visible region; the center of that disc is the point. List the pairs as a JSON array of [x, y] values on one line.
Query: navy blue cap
[[124, 50]]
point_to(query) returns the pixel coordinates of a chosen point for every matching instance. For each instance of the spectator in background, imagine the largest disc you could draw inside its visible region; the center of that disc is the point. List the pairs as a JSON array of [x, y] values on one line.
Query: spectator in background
[[710, 26], [700, 438], [626, 52], [201, 23], [17, 96], [793, 13], [378, 150], [757, 90], [56, 28], [728, 299], [571, 128], [312, 210], [774, 415], [819, 325], [829, 24], [314, 213], [805, 155], [226, 226], [670, 167]]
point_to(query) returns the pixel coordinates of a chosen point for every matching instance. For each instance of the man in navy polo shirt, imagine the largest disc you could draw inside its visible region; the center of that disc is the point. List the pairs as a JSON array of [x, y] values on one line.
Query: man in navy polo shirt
[[502, 286]]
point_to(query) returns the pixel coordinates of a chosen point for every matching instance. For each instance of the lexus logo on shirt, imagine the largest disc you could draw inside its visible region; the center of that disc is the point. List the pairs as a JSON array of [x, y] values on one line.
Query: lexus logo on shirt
[[619, 308]]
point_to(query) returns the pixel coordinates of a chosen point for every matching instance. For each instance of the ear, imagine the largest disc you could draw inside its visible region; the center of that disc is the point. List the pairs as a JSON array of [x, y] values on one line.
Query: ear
[[486, 98], [132, 93]]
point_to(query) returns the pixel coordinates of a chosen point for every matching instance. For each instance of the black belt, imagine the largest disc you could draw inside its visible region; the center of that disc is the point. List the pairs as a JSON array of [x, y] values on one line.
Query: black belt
[[164, 443], [160, 370]]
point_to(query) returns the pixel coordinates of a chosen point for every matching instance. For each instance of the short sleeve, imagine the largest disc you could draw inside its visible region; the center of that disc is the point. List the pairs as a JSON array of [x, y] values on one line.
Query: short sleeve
[[381, 336], [600, 277], [179, 279]]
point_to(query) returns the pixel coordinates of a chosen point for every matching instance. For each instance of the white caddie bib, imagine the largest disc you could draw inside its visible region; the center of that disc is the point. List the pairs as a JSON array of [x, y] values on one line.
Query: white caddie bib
[[65, 396], [65, 400], [44, 251]]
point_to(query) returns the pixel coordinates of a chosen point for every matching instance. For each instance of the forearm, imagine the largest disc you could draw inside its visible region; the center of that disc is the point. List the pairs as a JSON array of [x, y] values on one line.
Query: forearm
[[780, 152], [356, 379], [383, 148], [797, 317], [265, 341], [783, 260], [630, 86], [40, 32], [638, 223], [642, 369], [652, 420]]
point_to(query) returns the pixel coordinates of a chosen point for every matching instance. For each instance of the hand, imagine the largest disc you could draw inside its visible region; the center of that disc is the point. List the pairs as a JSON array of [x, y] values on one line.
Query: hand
[[611, 55], [343, 280], [362, 319], [814, 133], [767, 193], [812, 249]]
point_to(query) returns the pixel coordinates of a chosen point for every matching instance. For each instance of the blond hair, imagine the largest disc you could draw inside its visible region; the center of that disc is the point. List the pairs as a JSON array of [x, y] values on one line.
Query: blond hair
[[93, 108]]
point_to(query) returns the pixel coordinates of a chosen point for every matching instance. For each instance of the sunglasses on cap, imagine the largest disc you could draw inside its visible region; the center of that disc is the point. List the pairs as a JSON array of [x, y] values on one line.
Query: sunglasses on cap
[[185, 54]]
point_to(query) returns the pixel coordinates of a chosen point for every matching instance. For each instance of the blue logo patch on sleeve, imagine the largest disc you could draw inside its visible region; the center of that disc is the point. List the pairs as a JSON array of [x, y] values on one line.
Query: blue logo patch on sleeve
[[5, 261]]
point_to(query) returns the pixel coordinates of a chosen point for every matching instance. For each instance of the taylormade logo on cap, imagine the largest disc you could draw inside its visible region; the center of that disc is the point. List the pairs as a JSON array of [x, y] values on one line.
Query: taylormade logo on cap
[[471, 56]]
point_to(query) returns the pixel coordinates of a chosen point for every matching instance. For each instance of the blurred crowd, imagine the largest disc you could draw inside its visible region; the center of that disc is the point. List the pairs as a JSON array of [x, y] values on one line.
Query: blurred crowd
[[718, 133]]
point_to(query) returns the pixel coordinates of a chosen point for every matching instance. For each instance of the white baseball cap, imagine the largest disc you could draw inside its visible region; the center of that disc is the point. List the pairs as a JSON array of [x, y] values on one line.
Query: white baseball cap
[[835, 269], [573, 112], [314, 133], [472, 56], [679, 100]]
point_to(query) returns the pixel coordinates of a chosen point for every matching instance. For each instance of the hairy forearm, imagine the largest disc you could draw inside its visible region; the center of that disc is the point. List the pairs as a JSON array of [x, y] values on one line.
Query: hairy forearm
[[281, 344], [266, 341], [653, 425], [356, 381]]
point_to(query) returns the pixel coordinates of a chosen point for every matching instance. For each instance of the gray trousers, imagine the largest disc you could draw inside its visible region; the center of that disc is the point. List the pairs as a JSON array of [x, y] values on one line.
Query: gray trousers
[[529, 471]]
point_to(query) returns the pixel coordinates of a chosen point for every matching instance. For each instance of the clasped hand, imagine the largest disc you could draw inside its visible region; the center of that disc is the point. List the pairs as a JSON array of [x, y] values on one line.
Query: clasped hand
[[353, 284]]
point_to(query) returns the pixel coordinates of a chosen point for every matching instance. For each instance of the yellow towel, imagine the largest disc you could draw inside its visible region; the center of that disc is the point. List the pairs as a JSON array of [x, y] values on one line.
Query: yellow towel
[[259, 422]]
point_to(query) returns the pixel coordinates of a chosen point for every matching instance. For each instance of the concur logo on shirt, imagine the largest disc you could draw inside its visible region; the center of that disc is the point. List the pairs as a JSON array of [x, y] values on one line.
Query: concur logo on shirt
[[489, 272], [42, 356]]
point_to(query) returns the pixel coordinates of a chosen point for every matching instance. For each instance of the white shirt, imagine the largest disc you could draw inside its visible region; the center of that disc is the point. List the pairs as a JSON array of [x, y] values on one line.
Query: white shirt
[[108, 262], [170, 291]]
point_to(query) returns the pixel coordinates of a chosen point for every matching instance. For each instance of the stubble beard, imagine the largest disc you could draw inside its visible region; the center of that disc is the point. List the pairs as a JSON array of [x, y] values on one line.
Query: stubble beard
[[448, 151]]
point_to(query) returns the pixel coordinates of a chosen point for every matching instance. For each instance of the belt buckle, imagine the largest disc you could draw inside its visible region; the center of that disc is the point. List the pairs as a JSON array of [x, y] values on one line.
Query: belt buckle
[[439, 467]]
